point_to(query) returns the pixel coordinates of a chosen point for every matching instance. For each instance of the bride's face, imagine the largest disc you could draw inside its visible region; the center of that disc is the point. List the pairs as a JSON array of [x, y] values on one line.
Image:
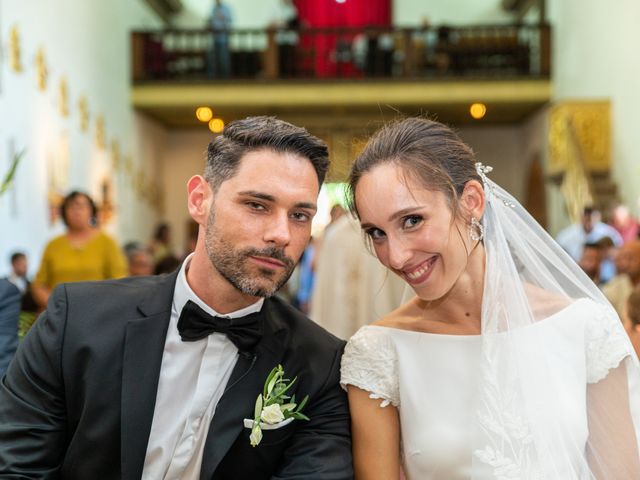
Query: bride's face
[[412, 230]]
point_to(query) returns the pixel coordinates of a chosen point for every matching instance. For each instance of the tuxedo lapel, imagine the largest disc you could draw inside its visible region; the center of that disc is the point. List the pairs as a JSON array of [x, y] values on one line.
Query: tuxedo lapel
[[142, 359], [238, 401]]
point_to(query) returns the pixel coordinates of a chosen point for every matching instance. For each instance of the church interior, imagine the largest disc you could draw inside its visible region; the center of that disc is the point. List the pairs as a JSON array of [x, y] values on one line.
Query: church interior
[[120, 99]]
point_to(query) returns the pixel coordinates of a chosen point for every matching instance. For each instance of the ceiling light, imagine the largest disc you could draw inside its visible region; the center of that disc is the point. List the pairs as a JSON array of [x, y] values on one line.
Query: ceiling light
[[204, 114], [216, 125], [478, 110]]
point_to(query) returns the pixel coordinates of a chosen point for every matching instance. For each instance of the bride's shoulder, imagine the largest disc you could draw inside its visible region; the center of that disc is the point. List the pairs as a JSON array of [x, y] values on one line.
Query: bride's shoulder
[[545, 303], [379, 335]]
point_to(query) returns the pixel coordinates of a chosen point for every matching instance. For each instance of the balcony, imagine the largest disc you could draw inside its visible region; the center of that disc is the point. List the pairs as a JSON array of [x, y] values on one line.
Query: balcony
[[342, 71]]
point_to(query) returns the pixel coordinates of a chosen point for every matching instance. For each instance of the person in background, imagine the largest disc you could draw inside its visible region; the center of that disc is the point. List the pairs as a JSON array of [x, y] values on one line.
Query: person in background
[[18, 275], [608, 252], [220, 58], [632, 318], [590, 261], [29, 309], [306, 270], [624, 223], [83, 253], [285, 18], [618, 289], [140, 262], [160, 245], [352, 289], [589, 230]]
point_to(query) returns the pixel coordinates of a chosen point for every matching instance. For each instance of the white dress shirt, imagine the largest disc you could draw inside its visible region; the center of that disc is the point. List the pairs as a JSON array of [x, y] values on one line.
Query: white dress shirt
[[193, 376], [19, 282]]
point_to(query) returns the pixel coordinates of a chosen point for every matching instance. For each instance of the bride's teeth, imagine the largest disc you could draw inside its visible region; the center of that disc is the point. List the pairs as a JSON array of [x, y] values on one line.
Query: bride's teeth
[[418, 273]]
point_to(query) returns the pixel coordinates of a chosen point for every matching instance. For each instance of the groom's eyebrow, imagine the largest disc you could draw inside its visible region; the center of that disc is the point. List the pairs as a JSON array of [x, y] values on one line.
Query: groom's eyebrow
[[270, 198]]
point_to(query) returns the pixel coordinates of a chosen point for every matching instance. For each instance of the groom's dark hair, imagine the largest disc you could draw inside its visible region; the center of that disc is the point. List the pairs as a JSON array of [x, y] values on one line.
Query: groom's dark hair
[[257, 133]]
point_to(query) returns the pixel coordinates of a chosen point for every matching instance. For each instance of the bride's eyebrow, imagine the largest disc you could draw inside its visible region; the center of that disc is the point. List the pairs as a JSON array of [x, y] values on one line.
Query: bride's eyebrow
[[393, 216], [404, 211], [367, 226]]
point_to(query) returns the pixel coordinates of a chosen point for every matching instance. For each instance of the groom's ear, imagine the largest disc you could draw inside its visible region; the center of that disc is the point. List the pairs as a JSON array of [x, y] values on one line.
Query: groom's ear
[[472, 199], [199, 199]]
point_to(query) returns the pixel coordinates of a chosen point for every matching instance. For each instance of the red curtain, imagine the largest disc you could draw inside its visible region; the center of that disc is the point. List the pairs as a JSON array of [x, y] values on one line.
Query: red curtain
[[326, 50]]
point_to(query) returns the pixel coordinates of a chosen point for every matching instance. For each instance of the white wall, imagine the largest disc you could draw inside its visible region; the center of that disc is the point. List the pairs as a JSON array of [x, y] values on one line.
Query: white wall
[[184, 156], [594, 57], [86, 43], [409, 13]]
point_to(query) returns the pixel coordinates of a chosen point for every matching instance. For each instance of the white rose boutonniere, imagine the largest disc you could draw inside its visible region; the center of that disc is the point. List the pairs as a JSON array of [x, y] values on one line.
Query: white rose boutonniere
[[274, 406]]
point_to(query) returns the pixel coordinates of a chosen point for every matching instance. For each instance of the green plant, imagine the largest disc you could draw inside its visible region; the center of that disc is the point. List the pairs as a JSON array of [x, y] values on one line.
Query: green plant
[[8, 179]]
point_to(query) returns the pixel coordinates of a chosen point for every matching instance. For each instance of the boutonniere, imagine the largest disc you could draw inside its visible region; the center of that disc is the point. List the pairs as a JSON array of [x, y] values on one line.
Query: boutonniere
[[274, 406]]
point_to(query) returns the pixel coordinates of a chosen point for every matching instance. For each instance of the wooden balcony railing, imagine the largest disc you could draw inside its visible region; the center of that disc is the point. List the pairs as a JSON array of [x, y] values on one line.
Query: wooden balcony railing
[[511, 51]]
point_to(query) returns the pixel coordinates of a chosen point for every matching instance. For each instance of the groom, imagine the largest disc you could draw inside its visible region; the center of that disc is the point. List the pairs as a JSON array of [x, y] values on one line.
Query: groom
[[153, 377]]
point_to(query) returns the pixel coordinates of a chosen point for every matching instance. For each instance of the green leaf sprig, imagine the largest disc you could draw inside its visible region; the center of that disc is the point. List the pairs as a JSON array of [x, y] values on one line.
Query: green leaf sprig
[[275, 393], [8, 179]]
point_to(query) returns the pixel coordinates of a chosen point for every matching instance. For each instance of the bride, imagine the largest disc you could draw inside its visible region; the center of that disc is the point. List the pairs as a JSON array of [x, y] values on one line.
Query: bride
[[508, 363]]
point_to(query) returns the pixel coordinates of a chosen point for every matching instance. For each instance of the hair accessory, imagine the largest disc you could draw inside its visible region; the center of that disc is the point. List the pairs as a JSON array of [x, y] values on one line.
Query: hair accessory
[[482, 171]]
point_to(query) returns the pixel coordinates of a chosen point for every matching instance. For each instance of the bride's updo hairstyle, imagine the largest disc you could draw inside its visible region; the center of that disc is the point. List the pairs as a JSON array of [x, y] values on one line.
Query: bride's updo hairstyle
[[427, 152]]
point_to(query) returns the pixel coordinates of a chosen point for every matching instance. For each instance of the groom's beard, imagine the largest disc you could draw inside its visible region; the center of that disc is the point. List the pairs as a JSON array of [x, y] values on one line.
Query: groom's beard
[[235, 267]]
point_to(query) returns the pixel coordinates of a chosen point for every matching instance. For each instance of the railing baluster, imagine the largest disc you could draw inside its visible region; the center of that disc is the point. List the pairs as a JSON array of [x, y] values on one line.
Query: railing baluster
[[483, 51]]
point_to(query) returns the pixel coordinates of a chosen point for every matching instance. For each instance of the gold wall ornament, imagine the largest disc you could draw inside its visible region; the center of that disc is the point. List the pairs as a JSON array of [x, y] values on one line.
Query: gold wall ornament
[[101, 141], [106, 204], [63, 98], [116, 155], [15, 55], [579, 145], [588, 124], [83, 110], [41, 69]]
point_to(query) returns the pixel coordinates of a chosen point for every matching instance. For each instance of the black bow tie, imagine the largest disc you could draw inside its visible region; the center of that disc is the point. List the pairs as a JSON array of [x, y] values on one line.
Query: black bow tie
[[195, 324]]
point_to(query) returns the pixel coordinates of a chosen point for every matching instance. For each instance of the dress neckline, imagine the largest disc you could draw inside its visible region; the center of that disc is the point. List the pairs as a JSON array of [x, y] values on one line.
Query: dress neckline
[[479, 335]]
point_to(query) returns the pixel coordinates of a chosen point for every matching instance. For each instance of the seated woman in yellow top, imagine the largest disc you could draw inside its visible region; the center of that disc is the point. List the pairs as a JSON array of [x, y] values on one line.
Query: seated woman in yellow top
[[82, 253]]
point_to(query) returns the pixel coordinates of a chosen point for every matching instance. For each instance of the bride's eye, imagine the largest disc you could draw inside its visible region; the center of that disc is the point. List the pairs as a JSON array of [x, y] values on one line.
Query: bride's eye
[[411, 221], [374, 233]]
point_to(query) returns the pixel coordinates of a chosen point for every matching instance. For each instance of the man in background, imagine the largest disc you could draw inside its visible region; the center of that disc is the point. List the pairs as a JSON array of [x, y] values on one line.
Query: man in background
[[220, 22], [589, 230]]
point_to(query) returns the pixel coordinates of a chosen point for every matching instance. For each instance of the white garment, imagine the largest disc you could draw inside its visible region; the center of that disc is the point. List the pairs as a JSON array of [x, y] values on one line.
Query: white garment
[[434, 379], [351, 287], [20, 282], [193, 377], [573, 238]]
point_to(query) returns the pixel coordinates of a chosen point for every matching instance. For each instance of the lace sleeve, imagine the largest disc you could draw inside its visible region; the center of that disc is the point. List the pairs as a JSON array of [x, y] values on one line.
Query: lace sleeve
[[606, 342], [370, 363]]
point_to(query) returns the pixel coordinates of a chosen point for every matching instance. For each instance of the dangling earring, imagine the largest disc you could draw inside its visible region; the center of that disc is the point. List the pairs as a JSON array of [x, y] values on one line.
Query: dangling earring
[[476, 230]]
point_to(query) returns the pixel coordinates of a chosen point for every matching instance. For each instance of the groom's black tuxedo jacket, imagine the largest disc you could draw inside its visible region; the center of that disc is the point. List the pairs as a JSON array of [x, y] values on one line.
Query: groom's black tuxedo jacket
[[78, 399]]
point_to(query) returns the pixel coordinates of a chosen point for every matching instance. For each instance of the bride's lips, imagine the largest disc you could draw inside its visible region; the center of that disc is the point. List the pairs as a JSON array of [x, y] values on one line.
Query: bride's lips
[[268, 262], [420, 273]]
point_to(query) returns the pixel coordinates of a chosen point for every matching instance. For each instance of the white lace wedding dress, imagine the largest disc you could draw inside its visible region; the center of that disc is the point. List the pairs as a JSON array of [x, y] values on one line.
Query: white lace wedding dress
[[433, 380]]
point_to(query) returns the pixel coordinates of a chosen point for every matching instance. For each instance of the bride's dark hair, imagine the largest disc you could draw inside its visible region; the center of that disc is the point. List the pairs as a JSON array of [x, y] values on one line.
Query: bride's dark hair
[[426, 150]]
